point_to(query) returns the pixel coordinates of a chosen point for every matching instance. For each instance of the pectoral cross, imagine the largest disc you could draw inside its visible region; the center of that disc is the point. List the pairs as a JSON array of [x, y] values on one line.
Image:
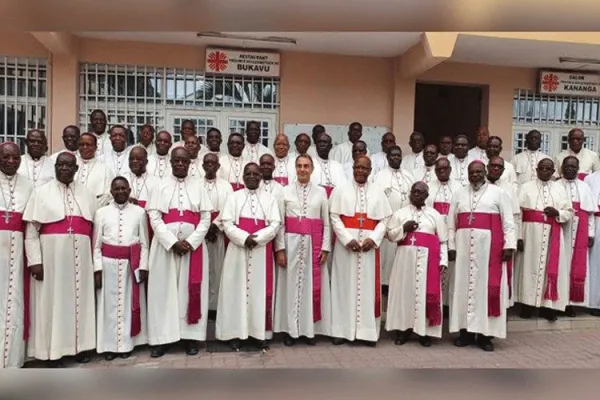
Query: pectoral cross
[[7, 216], [360, 220], [70, 230], [471, 218], [181, 213], [413, 239]]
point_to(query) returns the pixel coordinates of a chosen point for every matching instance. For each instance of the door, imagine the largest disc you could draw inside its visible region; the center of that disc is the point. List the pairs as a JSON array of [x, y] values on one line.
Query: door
[[236, 122], [204, 120]]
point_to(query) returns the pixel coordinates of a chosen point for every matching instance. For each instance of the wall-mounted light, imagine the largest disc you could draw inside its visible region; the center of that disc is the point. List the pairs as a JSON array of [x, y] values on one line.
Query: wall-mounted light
[[265, 39], [576, 60]]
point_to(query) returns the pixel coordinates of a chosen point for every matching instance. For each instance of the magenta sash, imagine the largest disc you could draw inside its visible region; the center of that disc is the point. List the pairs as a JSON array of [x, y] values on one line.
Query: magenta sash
[[552, 261], [133, 254], [441, 207], [314, 228], [194, 312], [581, 176], [77, 225], [493, 223], [328, 190], [16, 224], [434, 280], [237, 186], [579, 259], [283, 180], [251, 226]]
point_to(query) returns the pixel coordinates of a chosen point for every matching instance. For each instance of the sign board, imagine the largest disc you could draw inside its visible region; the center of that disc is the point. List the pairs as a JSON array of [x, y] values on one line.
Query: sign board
[[569, 84], [241, 62]]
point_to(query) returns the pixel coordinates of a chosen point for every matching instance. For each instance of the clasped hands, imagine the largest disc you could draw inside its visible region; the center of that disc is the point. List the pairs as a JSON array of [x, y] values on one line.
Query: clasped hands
[[182, 247]]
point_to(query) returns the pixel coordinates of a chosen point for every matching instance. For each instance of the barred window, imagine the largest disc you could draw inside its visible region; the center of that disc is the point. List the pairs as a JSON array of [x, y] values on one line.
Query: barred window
[[23, 87], [536, 109], [519, 140]]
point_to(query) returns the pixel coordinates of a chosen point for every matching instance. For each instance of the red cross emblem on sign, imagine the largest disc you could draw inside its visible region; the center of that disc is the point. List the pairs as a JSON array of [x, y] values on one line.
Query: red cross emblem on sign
[[550, 82], [217, 61]]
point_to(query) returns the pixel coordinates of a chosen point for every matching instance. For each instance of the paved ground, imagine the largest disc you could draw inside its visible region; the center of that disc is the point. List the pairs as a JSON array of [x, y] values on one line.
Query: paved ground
[[538, 349]]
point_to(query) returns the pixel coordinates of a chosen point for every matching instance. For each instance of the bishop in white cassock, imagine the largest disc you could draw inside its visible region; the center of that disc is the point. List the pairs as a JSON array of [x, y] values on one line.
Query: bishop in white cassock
[[186, 129], [379, 160], [179, 213], [232, 163], [213, 141], [359, 148], [70, 138], [250, 220], [342, 153], [415, 300], [579, 234], [98, 124], [93, 173], [588, 160], [159, 164], [426, 172], [269, 185], [121, 256], [481, 237], [58, 245], [479, 151], [35, 164], [328, 173], [414, 160], [285, 162], [141, 182], [218, 191], [494, 149], [146, 140], [359, 213], [117, 159], [192, 144], [396, 184], [593, 180], [303, 294], [543, 267], [14, 278], [525, 162], [253, 149], [460, 160]]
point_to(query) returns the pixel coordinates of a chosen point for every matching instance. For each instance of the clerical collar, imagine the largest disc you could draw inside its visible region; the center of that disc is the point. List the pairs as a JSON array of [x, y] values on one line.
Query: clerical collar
[[543, 183], [120, 206], [118, 153], [417, 154], [360, 185], [8, 178], [213, 180], [251, 191], [140, 175], [267, 181], [65, 185], [162, 156], [444, 182], [89, 160], [480, 187]]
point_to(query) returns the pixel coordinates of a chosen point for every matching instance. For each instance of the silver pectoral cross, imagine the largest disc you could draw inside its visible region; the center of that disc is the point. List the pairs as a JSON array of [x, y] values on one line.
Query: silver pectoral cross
[[181, 213], [70, 230], [471, 218], [413, 239], [361, 220], [7, 217]]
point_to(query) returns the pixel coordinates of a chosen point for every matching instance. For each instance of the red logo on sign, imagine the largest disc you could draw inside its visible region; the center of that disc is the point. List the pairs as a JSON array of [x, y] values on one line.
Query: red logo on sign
[[217, 61], [550, 82]]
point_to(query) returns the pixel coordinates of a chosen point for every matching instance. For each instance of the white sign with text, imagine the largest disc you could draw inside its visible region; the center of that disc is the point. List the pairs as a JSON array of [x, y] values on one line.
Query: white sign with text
[[569, 84], [241, 62]]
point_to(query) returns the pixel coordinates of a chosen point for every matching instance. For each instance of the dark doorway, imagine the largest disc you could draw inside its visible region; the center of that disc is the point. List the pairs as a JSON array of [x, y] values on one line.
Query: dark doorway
[[447, 110]]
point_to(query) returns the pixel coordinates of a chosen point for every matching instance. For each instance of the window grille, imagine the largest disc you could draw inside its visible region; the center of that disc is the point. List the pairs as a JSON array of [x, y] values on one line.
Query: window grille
[[535, 109], [519, 141]]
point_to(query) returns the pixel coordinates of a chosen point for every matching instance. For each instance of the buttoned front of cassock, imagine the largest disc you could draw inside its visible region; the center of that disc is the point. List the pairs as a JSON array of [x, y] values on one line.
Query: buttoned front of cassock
[[38, 171], [159, 166]]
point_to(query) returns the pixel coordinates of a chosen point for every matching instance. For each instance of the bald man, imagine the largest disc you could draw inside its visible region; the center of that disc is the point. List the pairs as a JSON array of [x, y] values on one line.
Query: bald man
[[14, 285], [359, 212], [35, 164], [158, 164]]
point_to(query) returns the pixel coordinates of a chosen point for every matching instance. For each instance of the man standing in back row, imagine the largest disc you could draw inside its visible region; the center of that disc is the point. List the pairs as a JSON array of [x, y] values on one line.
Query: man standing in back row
[[526, 162], [588, 160], [342, 153]]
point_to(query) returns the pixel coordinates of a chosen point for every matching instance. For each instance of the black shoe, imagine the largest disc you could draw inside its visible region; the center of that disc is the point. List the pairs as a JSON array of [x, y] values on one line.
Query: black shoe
[[338, 341], [425, 341], [402, 337], [191, 347], [464, 339], [235, 344], [526, 312], [570, 312], [289, 341], [595, 312], [385, 290], [368, 343], [212, 315], [264, 345], [158, 351], [83, 358], [54, 364], [548, 314], [485, 343], [110, 356], [125, 355], [310, 341]]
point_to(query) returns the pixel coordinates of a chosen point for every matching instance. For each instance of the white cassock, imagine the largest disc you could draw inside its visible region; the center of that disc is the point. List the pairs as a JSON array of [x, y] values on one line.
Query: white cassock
[[424, 173], [218, 191], [120, 252], [276, 191], [440, 198], [358, 212], [303, 294], [342, 152], [232, 170], [54, 156], [460, 170], [477, 153], [588, 162], [142, 186], [179, 209], [104, 145], [415, 297], [513, 193], [312, 151], [545, 255], [413, 161], [151, 149], [59, 236], [396, 184], [38, 172], [285, 169], [510, 176], [117, 162], [378, 162], [196, 171], [201, 153], [253, 152], [349, 171], [97, 178], [246, 295], [479, 298], [13, 276], [576, 239], [525, 164], [159, 166], [328, 174], [593, 180]]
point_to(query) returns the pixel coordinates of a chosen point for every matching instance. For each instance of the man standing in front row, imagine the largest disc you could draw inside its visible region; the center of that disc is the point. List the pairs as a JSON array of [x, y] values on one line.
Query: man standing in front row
[[246, 297], [179, 213], [121, 258], [59, 218], [14, 286], [359, 214], [481, 236]]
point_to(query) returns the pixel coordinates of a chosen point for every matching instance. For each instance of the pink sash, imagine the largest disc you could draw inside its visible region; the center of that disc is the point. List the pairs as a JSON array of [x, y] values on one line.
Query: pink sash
[[237, 186], [16, 224], [581, 176], [195, 268], [493, 223], [77, 226], [579, 259], [552, 261], [250, 226], [314, 228], [441, 207], [434, 281], [328, 190], [133, 254], [283, 180]]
